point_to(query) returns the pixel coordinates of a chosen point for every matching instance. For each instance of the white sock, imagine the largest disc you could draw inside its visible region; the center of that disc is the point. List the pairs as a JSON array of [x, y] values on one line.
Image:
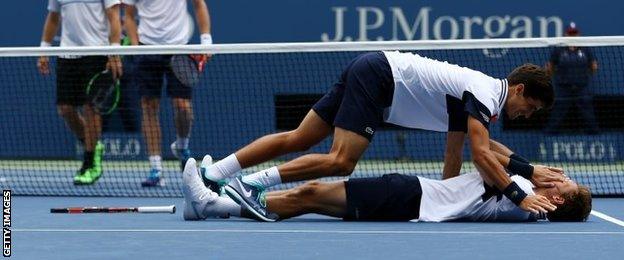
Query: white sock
[[223, 207], [182, 143], [155, 162], [226, 168], [265, 178]]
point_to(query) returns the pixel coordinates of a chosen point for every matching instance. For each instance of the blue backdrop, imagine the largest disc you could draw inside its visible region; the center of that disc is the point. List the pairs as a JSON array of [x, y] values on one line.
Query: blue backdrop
[[321, 20]]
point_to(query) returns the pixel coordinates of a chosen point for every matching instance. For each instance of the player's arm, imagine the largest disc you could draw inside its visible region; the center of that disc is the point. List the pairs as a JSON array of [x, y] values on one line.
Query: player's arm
[[202, 16], [130, 24], [453, 154], [540, 175], [50, 27], [114, 22], [494, 174]]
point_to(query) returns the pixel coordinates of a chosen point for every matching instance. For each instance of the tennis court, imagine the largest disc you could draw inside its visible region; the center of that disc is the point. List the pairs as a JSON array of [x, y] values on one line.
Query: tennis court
[[36, 232], [41, 157]]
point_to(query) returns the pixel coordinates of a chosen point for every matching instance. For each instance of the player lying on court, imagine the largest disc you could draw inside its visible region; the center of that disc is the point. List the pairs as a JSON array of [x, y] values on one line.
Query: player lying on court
[[395, 197], [404, 89]]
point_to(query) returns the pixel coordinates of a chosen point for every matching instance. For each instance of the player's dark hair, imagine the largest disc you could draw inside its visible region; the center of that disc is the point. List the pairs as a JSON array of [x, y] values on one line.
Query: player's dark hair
[[575, 208], [536, 82]]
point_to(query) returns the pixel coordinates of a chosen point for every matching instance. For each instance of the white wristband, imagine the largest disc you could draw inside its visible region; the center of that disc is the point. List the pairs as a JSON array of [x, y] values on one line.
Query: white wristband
[[206, 39], [45, 44]]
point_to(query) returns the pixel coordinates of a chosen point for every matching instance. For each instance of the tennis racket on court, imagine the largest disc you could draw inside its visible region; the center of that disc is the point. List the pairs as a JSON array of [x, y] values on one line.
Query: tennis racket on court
[[149, 209], [103, 92], [187, 68]]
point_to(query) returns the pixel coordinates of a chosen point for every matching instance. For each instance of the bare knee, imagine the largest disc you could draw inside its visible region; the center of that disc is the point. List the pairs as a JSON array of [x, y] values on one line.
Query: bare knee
[[150, 106], [66, 111], [306, 191], [342, 166], [183, 107]]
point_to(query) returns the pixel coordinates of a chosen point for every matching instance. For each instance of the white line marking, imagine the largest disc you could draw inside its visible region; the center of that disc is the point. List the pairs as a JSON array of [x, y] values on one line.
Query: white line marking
[[607, 218], [309, 231]]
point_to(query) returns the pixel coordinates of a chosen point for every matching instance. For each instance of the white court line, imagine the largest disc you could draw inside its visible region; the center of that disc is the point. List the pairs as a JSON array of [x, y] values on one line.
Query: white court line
[[310, 231], [607, 218]]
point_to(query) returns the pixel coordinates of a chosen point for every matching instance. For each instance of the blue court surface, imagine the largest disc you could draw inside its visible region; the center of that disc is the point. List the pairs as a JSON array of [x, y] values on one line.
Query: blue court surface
[[38, 234]]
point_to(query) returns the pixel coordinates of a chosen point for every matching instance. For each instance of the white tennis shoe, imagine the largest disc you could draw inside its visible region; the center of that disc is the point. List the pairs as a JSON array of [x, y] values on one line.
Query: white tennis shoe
[[197, 198]]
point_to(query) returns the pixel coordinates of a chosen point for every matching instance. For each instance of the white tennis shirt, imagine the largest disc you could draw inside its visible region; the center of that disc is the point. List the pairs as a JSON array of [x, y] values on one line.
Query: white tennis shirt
[[465, 198], [165, 22], [421, 86], [83, 22]]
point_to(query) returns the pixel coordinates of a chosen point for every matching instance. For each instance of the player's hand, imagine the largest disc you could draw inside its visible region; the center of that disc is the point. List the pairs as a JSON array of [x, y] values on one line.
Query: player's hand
[[546, 176], [114, 66], [537, 204], [201, 60], [43, 64]]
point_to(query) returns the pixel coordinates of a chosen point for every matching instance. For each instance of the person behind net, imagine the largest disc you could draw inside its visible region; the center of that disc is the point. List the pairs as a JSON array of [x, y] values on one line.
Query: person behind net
[[83, 23], [404, 89], [395, 197], [164, 22], [572, 68]]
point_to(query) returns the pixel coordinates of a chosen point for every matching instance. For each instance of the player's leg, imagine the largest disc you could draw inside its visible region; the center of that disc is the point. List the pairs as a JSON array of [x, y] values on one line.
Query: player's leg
[[368, 89], [182, 114], [345, 152], [310, 132], [149, 76], [326, 198], [94, 149], [316, 126], [68, 101]]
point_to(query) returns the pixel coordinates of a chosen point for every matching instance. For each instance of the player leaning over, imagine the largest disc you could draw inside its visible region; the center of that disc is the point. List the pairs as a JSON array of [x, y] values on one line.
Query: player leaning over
[[404, 89]]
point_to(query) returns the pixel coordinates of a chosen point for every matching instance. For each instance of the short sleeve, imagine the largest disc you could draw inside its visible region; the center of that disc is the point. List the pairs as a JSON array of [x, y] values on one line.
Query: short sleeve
[[53, 6], [477, 109], [111, 3]]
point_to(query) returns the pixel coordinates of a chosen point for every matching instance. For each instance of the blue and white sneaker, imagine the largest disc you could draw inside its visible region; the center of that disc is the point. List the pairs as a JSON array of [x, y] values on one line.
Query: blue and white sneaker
[[251, 197], [214, 186], [182, 154], [154, 179], [198, 200]]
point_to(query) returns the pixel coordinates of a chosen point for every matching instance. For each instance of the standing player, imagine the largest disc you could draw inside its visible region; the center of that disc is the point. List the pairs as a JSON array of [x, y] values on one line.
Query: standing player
[[400, 88], [164, 22], [83, 23], [394, 197]]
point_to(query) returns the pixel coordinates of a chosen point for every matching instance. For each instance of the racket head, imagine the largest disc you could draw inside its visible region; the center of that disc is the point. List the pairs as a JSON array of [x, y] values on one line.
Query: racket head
[[103, 92], [185, 69]]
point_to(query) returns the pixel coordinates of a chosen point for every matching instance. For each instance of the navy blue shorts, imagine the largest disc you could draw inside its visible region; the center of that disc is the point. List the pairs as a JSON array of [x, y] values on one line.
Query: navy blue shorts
[[154, 70], [73, 76], [357, 101], [391, 197]]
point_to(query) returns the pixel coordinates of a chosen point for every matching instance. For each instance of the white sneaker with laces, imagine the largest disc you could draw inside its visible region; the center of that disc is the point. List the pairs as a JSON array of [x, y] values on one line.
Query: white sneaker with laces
[[197, 198]]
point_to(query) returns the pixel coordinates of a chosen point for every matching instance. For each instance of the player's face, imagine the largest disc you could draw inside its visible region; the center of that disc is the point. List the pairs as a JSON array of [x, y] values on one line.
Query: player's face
[[566, 187], [522, 106]]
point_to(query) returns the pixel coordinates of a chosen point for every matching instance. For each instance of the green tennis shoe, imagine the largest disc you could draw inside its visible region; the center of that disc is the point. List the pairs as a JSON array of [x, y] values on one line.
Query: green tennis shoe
[[89, 177]]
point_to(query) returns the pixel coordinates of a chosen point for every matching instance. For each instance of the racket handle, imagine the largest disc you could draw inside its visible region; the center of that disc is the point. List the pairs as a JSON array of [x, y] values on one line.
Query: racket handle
[[157, 209]]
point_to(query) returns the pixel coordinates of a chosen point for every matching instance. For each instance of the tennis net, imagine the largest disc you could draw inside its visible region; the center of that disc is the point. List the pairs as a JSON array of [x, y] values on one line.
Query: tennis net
[[248, 90]]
